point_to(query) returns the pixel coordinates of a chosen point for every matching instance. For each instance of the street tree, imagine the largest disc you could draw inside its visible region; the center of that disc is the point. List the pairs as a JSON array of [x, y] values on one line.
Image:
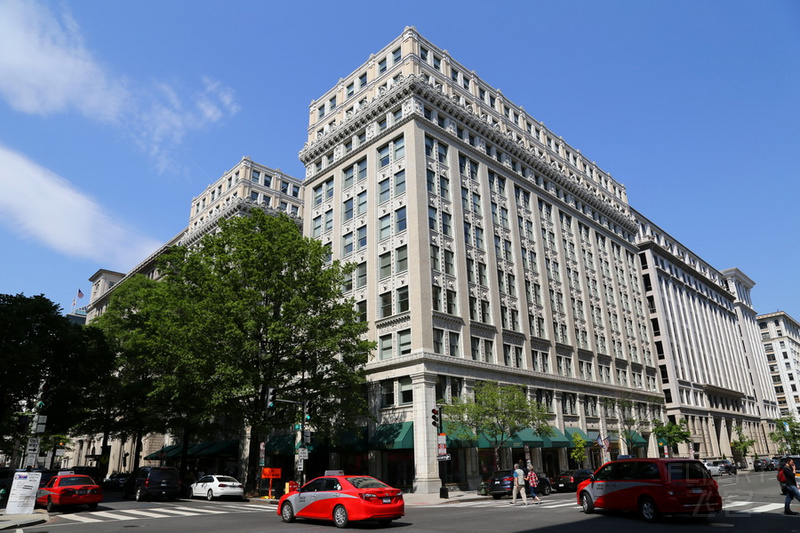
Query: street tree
[[671, 433], [578, 453], [787, 434], [498, 413], [631, 422], [742, 444], [251, 307]]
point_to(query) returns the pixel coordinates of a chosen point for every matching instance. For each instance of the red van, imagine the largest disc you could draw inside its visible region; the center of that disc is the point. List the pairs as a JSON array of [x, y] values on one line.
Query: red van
[[652, 487]]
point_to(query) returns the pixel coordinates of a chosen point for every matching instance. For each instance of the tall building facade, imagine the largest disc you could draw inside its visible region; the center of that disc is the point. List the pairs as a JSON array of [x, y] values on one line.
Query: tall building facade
[[780, 335], [486, 248], [712, 368]]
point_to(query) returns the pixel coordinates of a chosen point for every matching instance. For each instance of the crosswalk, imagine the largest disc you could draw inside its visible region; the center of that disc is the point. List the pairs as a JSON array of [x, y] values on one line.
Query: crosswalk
[[165, 512], [729, 507]]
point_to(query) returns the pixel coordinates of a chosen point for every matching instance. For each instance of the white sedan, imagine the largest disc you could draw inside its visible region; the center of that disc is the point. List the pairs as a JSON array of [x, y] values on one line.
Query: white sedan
[[212, 487], [713, 469]]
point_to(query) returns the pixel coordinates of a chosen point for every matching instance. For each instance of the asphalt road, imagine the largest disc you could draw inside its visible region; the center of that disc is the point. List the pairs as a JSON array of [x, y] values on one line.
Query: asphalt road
[[751, 501]]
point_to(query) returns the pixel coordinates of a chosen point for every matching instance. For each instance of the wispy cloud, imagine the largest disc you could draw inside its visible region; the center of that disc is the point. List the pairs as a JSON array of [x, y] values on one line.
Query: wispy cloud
[[46, 68], [38, 203]]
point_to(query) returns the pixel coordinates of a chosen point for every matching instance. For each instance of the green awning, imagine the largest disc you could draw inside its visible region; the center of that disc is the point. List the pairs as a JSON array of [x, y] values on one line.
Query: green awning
[[557, 440], [280, 444], [173, 450], [523, 437], [200, 447], [570, 431], [398, 436], [638, 440], [222, 448], [458, 435]]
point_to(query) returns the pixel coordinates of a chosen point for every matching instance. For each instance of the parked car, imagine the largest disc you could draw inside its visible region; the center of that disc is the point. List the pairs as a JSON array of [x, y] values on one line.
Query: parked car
[[502, 484], [726, 467], [652, 487], [70, 490], [713, 469], [761, 465], [569, 480], [153, 482], [782, 463], [115, 482], [211, 487], [343, 499], [776, 461]]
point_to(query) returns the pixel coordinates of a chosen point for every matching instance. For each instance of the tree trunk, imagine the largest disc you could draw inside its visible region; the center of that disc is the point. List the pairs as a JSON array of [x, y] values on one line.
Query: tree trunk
[[251, 483]]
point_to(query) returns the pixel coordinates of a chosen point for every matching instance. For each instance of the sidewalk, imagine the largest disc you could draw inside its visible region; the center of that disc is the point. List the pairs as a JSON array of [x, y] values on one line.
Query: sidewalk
[[11, 521]]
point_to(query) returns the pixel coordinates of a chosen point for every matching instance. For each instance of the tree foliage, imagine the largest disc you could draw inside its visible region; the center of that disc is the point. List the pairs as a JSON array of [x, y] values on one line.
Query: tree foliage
[[50, 367], [671, 433], [498, 413], [251, 307], [787, 434], [578, 453], [743, 443]]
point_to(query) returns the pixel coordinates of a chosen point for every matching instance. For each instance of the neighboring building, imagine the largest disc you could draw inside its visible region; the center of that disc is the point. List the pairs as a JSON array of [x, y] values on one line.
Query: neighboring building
[[780, 335], [713, 370], [246, 185], [487, 249]]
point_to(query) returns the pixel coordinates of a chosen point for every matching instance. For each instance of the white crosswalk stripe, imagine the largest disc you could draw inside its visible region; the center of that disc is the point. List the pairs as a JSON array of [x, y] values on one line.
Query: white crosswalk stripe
[[165, 512]]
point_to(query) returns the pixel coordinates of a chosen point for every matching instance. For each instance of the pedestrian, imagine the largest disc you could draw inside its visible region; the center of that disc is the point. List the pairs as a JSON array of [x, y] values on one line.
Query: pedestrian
[[791, 486], [519, 485], [533, 482]]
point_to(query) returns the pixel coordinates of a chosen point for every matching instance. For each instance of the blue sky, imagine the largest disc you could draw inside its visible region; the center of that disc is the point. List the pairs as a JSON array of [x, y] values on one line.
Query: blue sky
[[113, 115]]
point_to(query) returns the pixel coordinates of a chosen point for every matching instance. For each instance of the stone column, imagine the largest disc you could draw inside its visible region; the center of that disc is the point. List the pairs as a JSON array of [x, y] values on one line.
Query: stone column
[[427, 479]]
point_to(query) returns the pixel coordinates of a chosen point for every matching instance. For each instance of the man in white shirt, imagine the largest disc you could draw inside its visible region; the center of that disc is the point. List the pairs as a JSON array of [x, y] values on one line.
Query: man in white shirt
[[519, 485]]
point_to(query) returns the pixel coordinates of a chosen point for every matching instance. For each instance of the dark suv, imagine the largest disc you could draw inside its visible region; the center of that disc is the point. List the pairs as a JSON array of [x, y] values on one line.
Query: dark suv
[[150, 482], [502, 483]]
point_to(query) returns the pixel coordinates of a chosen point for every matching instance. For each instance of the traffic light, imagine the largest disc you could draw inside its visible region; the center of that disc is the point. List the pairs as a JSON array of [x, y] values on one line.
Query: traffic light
[[271, 397], [311, 407], [306, 436], [435, 417], [44, 396]]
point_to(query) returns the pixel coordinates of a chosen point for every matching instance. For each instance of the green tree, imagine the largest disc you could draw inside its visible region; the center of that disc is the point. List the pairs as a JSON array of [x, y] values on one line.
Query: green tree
[[251, 307], [498, 413], [742, 444], [630, 425], [578, 453], [787, 434], [671, 433]]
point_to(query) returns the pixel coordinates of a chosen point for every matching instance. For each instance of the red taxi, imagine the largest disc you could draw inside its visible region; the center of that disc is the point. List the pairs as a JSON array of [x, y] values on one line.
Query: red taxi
[[652, 487], [343, 499], [70, 490]]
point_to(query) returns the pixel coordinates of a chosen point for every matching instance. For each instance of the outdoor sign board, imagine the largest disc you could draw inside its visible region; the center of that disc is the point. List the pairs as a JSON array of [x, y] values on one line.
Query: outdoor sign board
[[22, 497]]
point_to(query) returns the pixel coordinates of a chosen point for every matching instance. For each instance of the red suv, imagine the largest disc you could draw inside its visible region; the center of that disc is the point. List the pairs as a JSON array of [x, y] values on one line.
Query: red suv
[[652, 487]]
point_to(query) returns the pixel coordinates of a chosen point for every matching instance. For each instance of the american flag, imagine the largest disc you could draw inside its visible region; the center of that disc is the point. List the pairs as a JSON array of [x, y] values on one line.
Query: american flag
[[80, 293]]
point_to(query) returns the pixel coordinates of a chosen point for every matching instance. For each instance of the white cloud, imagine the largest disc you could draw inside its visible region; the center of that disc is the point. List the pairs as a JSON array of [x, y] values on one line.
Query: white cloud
[[45, 68], [40, 204]]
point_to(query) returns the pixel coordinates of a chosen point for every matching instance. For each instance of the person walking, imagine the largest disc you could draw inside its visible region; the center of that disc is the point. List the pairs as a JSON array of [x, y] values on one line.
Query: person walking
[[533, 482], [519, 485], [791, 486]]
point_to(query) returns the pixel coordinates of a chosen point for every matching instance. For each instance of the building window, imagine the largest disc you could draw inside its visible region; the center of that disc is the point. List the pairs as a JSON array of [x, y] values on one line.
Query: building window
[[384, 190], [435, 257], [401, 259], [362, 237], [385, 265], [452, 307], [400, 220], [400, 182], [361, 200], [404, 341], [361, 275], [438, 341], [453, 337], [384, 226], [347, 244], [347, 210], [391, 151], [387, 392], [402, 299], [385, 304], [385, 347], [406, 391]]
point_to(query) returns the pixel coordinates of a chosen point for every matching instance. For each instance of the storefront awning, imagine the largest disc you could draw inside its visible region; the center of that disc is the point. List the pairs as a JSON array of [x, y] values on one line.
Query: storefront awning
[[398, 436], [222, 448], [173, 450], [557, 440], [458, 435], [523, 437], [280, 444], [638, 440], [570, 431]]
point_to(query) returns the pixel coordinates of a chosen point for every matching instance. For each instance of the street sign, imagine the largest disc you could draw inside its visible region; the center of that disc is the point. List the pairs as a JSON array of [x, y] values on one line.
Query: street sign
[[445, 457], [300, 465], [302, 453], [33, 445]]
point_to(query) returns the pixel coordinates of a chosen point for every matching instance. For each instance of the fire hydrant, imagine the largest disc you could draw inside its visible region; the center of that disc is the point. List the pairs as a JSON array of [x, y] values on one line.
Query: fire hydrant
[[483, 489]]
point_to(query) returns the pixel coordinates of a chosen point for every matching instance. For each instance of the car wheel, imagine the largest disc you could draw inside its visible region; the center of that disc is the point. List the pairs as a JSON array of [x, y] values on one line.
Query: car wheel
[[209, 495], [50, 505], [497, 496], [586, 503], [547, 489], [139, 495], [648, 510], [287, 513], [340, 516], [92, 506]]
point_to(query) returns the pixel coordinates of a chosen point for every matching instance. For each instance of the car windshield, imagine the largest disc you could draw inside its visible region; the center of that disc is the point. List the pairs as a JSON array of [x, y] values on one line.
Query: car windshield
[[367, 483]]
